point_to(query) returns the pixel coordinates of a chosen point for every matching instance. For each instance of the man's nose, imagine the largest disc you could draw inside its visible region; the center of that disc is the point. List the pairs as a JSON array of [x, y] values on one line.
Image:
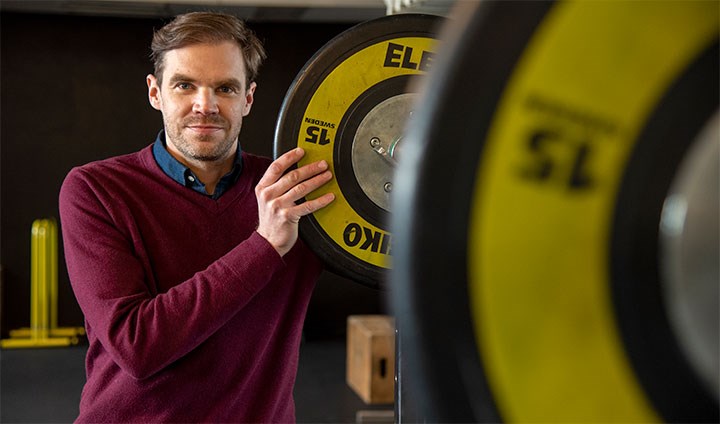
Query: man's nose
[[205, 102]]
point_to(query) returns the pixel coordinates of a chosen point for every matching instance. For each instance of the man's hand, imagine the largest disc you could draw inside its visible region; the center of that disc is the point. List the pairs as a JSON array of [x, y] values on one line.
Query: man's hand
[[277, 193]]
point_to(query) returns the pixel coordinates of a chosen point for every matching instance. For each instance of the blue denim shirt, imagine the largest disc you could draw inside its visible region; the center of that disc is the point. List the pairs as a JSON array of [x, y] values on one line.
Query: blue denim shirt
[[183, 175]]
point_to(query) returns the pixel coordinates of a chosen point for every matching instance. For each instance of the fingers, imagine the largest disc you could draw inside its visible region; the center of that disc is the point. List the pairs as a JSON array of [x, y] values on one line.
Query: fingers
[[311, 206], [301, 181], [276, 169], [296, 184], [278, 190], [298, 191]]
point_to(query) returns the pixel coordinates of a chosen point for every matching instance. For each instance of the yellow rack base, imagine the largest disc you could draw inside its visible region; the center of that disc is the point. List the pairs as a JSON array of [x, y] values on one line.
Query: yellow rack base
[[26, 332], [46, 342]]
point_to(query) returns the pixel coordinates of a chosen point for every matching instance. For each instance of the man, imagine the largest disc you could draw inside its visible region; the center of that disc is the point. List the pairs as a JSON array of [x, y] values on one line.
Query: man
[[184, 256]]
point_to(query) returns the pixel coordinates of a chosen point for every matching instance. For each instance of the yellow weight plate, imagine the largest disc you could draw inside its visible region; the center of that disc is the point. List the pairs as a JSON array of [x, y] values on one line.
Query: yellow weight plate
[[529, 137], [350, 87], [544, 200], [331, 101]]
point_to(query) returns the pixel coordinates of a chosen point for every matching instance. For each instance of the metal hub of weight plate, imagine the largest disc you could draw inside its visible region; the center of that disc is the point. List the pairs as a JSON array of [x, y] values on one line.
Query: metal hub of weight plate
[[348, 106], [562, 282]]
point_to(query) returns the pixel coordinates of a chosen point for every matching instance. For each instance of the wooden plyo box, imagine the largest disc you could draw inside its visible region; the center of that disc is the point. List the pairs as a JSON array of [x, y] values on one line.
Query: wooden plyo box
[[370, 366]]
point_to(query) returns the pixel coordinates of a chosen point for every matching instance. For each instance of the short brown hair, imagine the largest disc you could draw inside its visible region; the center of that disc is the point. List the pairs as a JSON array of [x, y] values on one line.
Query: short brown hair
[[207, 27]]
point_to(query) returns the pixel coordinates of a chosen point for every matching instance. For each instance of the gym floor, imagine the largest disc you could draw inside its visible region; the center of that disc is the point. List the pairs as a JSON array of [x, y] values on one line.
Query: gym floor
[[44, 385]]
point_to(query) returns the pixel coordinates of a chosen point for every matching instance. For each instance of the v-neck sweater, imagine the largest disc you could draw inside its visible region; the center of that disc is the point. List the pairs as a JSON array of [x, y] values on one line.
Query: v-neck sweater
[[191, 315]]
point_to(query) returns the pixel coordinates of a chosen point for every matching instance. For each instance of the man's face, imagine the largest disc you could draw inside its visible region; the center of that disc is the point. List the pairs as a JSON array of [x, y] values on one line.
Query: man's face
[[203, 99]]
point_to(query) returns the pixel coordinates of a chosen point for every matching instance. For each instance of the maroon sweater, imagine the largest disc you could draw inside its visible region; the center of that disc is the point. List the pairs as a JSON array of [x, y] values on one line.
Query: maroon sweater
[[191, 315]]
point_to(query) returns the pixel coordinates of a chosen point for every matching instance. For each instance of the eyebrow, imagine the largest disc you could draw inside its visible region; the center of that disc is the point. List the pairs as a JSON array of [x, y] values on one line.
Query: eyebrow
[[184, 78]]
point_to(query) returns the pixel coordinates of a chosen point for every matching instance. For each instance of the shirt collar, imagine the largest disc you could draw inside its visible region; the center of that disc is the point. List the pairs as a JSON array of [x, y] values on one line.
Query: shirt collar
[[184, 176]]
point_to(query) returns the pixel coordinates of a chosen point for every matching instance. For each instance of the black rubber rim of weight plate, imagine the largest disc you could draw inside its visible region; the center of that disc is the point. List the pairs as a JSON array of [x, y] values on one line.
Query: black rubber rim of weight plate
[[296, 100], [433, 194], [663, 370]]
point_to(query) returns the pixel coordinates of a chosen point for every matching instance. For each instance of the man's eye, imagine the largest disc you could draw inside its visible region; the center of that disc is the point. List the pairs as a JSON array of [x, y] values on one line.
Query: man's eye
[[226, 89], [183, 85]]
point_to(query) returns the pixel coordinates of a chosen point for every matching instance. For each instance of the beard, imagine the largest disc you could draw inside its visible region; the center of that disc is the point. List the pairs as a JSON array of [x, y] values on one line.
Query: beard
[[202, 147]]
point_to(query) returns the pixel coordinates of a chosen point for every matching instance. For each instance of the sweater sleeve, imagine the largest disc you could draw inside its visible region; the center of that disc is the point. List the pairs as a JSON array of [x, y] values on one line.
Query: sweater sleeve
[[143, 332]]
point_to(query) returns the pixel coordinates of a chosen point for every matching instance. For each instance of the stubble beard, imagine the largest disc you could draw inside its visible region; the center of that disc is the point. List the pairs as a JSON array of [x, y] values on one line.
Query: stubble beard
[[210, 152]]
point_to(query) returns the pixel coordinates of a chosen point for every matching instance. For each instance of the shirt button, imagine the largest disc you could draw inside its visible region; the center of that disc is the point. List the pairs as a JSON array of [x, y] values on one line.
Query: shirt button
[[191, 179]]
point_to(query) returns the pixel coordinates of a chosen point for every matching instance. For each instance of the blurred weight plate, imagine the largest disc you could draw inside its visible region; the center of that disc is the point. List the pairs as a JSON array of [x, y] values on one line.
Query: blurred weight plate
[[528, 282], [348, 106]]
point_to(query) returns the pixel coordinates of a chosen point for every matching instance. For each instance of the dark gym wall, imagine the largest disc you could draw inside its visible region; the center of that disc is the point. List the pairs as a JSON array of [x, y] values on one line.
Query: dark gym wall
[[72, 90]]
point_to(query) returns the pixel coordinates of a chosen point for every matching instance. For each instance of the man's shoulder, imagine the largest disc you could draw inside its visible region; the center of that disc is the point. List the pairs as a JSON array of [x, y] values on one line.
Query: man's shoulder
[[112, 168], [124, 162], [256, 164], [257, 160]]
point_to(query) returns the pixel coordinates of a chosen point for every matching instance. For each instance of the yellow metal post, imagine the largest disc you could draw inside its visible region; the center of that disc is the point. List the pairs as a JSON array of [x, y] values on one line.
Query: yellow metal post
[[43, 330]]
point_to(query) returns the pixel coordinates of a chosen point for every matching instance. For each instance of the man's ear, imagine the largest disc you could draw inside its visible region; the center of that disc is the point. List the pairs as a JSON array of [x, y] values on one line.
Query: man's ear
[[154, 92], [249, 98]]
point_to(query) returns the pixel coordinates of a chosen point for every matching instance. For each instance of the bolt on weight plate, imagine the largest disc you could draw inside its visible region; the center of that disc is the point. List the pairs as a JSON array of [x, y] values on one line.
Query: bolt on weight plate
[[348, 106], [542, 298]]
